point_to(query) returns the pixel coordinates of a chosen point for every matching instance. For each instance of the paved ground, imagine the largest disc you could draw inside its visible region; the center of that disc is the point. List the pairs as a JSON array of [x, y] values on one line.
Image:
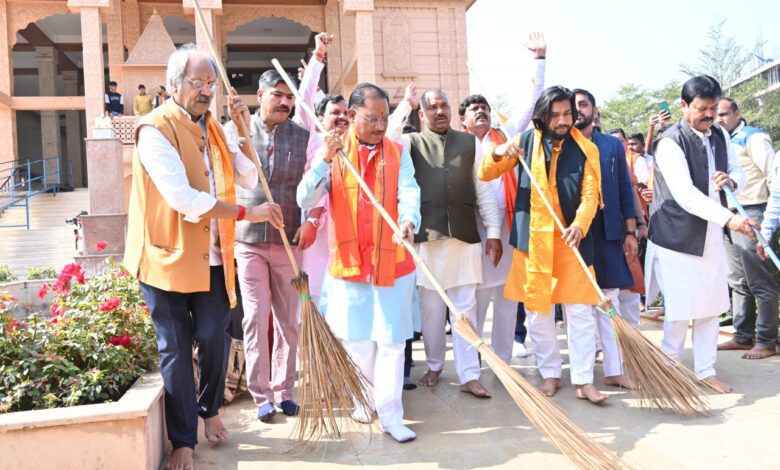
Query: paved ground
[[458, 431]]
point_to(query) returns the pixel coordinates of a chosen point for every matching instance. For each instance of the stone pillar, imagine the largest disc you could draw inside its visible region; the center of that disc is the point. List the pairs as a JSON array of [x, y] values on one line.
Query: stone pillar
[[73, 145], [115, 37], [50, 120], [211, 9], [363, 10], [8, 151], [92, 40]]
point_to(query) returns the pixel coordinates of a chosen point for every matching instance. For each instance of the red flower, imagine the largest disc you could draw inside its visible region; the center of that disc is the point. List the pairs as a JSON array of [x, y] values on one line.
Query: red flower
[[70, 271], [101, 246], [42, 291], [13, 325], [110, 305], [55, 358], [54, 320], [122, 273], [146, 309], [124, 340], [56, 309]]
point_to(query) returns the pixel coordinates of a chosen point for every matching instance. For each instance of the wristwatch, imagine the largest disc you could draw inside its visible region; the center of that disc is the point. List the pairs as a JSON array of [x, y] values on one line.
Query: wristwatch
[[634, 233], [314, 221]]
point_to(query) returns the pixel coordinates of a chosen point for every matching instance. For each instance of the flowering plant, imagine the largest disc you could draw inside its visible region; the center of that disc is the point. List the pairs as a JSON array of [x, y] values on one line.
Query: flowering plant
[[95, 341]]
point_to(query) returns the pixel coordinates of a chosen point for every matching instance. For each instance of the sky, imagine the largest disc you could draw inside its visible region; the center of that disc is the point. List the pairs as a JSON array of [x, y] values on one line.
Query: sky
[[607, 43]]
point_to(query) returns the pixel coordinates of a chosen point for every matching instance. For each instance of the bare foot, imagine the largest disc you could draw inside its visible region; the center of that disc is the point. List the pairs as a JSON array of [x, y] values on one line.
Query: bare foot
[[430, 378], [732, 345], [716, 384], [589, 392], [215, 430], [475, 388], [759, 352], [621, 381], [550, 386], [180, 459]]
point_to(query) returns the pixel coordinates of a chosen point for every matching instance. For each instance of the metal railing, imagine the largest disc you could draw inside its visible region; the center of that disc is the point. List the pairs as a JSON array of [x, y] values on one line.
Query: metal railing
[[21, 181]]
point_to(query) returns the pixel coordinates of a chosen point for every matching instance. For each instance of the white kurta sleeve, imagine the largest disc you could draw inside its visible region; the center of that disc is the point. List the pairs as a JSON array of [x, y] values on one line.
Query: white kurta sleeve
[[408, 193], [672, 164], [308, 89], [315, 183], [520, 120], [486, 200]]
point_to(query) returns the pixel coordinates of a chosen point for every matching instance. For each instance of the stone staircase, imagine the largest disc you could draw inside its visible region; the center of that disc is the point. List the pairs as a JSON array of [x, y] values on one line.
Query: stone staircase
[[49, 241]]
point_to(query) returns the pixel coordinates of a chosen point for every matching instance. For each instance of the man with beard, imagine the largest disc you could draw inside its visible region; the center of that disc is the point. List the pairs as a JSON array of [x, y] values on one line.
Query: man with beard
[[446, 163], [264, 269], [475, 116], [545, 270], [368, 292], [753, 291], [613, 230], [686, 256]]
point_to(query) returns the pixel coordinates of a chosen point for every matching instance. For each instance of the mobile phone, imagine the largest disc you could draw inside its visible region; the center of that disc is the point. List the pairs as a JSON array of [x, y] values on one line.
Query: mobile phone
[[642, 186], [664, 106]]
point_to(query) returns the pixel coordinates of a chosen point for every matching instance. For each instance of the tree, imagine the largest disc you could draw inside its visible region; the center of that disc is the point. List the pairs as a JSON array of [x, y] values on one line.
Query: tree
[[632, 107], [722, 58], [759, 107]]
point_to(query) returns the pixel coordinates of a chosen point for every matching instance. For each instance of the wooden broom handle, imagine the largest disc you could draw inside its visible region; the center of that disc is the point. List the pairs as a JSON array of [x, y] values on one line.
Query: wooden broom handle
[[243, 130], [367, 191], [536, 186]]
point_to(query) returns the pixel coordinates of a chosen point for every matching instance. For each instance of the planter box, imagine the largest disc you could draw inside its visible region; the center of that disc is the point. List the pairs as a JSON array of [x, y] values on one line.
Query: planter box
[[27, 294], [128, 434]]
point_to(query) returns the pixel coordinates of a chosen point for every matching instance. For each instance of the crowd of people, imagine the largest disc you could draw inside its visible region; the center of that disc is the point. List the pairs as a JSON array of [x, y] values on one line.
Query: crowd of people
[[143, 103], [648, 216]]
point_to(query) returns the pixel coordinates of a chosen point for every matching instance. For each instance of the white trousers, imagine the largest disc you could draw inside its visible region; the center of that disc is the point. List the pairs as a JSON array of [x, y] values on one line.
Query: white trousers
[[504, 319], [613, 362], [383, 366], [705, 342], [581, 333], [629, 306], [432, 313]]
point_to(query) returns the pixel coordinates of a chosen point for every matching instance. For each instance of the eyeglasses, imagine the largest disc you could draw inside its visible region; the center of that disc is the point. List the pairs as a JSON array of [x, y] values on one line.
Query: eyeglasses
[[199, 84], [375, 120]]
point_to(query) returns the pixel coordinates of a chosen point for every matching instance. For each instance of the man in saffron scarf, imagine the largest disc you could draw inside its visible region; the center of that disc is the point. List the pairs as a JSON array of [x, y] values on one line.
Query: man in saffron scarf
[[180, 235], [544, 268], [368, 292]]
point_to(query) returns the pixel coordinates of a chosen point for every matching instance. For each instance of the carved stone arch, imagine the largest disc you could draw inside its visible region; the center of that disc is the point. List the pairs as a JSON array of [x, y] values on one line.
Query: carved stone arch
[[23, 13], [235, 16]]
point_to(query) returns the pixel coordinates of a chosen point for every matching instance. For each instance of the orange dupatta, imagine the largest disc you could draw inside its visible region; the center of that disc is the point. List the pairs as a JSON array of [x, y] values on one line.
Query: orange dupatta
[[225, 188]]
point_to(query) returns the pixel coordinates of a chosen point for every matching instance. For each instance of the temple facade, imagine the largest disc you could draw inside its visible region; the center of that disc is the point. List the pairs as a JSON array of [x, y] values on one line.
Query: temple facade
[[57, 57]]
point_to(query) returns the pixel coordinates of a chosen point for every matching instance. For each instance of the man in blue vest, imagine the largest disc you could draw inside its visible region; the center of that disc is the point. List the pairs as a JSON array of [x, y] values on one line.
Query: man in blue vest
[[614, 231], [686, 254], [750, 278]]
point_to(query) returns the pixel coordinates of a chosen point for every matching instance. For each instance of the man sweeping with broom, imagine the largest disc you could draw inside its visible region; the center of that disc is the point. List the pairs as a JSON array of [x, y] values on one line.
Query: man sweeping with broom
[[544, 269], [368, 292]]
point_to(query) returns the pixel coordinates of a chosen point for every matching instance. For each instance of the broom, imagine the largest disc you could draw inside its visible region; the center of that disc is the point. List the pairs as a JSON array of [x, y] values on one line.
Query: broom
[[659, 380], [329, 378], [763, 241], [542, 412]]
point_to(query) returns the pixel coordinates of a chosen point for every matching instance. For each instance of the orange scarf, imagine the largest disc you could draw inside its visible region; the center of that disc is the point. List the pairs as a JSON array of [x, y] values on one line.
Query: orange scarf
[[345, 261], [225, 188], [541, 239], [509, 178]]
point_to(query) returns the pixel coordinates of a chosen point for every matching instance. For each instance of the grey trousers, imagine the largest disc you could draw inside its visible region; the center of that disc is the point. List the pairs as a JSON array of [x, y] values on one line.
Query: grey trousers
[[752, 288]]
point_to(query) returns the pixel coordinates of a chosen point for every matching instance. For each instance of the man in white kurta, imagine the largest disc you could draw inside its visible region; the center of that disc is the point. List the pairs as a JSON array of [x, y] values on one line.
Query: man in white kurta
[[694, 285], [455, 260]]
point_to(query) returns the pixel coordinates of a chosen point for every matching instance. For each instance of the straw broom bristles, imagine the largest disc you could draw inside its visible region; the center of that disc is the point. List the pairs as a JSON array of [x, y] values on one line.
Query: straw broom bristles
[[329, 377], [659, 380], [545, 416]]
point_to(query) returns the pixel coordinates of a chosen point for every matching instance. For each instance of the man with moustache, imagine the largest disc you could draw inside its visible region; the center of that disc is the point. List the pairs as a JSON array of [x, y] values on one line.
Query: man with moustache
[[181, 225], [613, 230], [475, 116], [686, 255], [368, 292], [446, 163], [264, 269], [544, 270]]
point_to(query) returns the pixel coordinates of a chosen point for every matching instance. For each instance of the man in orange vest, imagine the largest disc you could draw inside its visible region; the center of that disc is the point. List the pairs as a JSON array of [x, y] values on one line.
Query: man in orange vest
[[368, 295], [181, 228]]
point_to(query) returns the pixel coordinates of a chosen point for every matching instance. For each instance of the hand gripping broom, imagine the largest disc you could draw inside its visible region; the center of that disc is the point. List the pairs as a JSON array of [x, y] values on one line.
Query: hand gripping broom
[[659, 380], [329, 380], [542, 412], [763, 241]]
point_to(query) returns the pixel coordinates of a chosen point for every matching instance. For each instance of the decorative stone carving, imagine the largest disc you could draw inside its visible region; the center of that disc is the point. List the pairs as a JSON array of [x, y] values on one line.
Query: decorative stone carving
[[364, 42], [397, 47], [312, 17], [89, 3], [352, 6], [154, 46], [23, 13], [146, 10]]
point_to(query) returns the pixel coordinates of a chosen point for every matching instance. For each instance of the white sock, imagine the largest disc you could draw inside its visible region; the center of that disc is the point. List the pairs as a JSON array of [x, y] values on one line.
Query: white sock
[[400, 433]]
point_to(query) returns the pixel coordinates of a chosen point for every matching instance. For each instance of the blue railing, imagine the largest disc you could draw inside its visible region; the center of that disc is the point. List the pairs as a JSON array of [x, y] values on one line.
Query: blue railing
[[21, 181]]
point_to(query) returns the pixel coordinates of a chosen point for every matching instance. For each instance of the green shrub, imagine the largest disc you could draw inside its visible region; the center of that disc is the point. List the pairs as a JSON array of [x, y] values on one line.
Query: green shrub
[[5, 273], [98, 340], [43, 272]]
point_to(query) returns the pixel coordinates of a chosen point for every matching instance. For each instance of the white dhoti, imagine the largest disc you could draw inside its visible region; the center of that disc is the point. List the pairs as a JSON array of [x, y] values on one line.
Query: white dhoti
[[581, 333], [504, 319], [629, 306]]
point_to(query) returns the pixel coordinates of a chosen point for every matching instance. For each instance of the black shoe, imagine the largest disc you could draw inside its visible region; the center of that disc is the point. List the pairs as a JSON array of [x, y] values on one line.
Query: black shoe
[[726, 320]]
